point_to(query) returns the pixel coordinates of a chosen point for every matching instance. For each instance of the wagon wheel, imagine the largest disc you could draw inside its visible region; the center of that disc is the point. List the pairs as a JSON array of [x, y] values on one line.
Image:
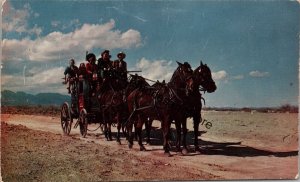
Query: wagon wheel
[[83, 123], [66, 118]]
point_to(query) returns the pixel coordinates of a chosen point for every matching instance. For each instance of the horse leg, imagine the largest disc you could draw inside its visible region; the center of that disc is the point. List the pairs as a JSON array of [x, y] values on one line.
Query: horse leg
[[184, 132], [178, 138], [118, 128], [124, 130], [165, 125], [123, 126], [105, 125], [130, 136], [138, 131], [196, 118], [135, 133], [118, 133], [109, 132], [106, 131], [148, 126]]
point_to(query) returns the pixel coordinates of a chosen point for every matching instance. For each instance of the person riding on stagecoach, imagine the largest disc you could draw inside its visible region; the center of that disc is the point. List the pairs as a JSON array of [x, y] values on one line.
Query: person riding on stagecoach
[[91, 66], [70, 74], [104, 64], [82, 71], [120, 65], [92, 71], [120, 68]]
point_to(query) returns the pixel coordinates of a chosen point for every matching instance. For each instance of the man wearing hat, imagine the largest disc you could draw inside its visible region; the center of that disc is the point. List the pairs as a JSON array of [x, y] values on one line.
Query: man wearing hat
[[72, 72], [91, 66], [104, 63], [92, 73], [120, 65]]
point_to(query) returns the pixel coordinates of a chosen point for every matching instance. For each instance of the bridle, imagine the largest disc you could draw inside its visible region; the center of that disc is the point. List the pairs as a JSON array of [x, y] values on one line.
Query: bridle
[[200, 77]]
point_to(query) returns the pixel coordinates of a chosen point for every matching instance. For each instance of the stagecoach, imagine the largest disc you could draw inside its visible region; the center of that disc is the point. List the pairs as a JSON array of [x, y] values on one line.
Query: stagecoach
[[83, 106], [118, 103]]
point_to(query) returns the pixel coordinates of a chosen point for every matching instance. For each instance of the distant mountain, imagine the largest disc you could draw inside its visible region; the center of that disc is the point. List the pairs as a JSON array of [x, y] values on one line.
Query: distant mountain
[[9, 98]]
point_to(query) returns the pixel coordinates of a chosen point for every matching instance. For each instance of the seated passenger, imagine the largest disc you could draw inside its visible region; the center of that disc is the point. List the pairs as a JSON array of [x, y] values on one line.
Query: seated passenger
[[104, 63], [120, 65], [120, 68], [82, 71], [91, 66]]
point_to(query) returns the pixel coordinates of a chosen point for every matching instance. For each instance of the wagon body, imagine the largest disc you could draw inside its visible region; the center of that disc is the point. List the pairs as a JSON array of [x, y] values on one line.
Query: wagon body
[[84, 107]]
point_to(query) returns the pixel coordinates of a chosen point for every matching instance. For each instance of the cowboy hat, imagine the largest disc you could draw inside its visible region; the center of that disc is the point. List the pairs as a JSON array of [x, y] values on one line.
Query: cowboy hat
[[105, 51], [89, 55], [121, 54]]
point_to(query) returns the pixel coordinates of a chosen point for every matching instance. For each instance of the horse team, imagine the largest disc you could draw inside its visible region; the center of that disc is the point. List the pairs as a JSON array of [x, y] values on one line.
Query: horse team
[[139, 103]]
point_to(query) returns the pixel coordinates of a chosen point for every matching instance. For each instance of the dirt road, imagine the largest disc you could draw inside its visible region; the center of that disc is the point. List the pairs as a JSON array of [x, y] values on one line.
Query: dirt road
[[236, 146]]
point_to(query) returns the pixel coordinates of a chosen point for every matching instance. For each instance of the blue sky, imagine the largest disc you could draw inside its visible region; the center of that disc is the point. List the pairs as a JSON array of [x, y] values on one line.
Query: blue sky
[[251, 47]]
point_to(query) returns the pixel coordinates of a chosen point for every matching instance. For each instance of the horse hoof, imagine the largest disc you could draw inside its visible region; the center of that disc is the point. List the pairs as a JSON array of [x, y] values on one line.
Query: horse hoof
[[178, 149], [148, 142], [119, 142], [197, 150], [184, 151], [130, 146], [142, 148], [167, 154], [179, 153]]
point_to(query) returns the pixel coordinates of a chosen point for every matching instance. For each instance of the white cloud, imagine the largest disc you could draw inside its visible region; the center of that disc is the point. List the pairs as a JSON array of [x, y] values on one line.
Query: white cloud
[[57, 45], [156, 69], [238, 77], [16, 20], [50, 76], [220, 75], [259, 74], [40, 81]]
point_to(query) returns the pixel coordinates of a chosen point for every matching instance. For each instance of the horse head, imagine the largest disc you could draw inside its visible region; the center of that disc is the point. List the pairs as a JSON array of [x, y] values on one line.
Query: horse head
[[137, 81], [183, 77], [203, 78]]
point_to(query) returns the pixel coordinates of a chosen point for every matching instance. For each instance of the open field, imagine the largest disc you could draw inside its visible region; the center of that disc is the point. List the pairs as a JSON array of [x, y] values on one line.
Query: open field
[[238, 145]]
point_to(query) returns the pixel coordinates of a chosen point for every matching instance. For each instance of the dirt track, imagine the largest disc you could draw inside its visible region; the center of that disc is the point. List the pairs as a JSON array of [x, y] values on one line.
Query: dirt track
[[237, 146]]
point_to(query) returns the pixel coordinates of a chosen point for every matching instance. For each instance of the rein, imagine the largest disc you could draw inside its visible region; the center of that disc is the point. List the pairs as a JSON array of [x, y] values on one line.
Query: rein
[[172, 92], [152, 105], [111, 101], [96, 128]]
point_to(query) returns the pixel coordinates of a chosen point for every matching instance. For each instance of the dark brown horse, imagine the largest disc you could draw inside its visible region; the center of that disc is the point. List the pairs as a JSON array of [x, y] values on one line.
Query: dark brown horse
[[112, 106], [113, 101], [148, 123], [158, 103], [203, 81]]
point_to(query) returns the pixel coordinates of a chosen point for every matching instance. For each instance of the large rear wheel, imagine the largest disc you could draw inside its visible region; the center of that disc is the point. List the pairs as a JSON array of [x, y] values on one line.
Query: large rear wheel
[[66, 118], [83, 123]]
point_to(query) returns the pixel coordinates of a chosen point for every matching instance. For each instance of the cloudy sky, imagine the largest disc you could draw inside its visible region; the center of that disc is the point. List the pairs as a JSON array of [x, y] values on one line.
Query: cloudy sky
[[251, 47]]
